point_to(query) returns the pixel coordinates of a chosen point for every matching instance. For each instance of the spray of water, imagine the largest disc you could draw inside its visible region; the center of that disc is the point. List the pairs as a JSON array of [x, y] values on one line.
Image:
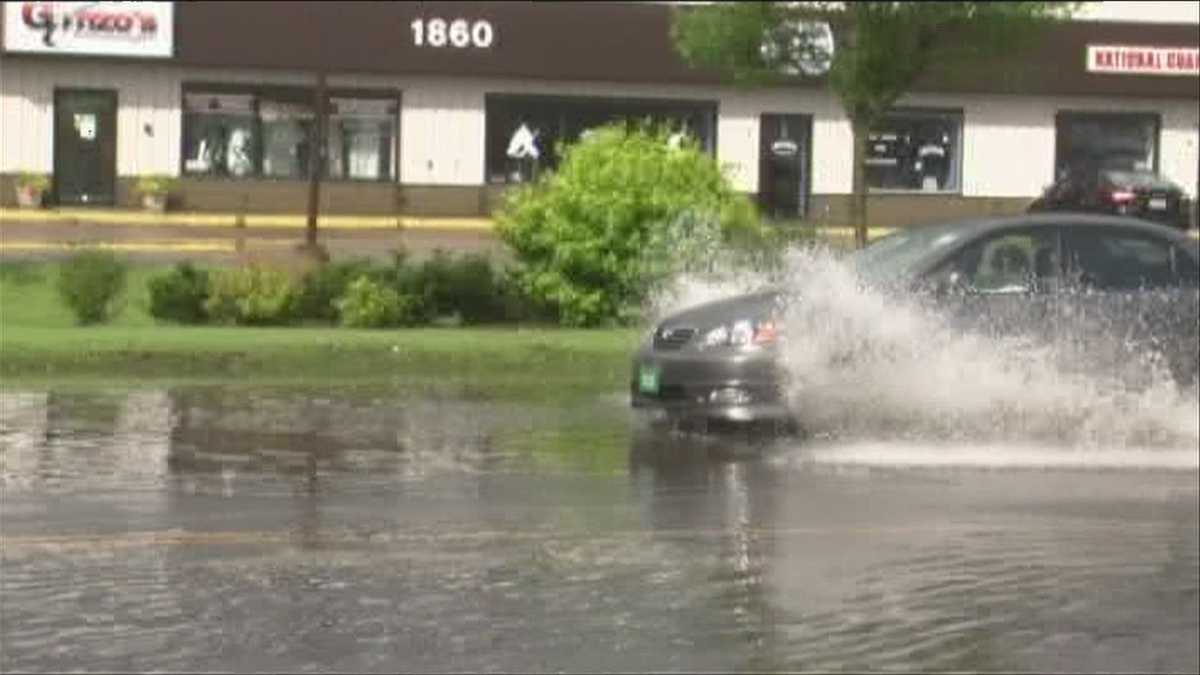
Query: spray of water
[[867, 365]]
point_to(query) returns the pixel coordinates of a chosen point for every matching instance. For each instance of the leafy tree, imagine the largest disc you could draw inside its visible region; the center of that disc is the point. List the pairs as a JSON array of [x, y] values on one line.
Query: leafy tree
[[879, 50], [592, 237]]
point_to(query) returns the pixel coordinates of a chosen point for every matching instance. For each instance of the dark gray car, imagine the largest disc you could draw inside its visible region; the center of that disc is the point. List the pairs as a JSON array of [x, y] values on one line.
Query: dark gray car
[[1090, 274]]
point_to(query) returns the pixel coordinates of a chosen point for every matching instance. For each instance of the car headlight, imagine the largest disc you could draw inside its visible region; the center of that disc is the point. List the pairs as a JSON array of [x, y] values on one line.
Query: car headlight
[[741, 333]]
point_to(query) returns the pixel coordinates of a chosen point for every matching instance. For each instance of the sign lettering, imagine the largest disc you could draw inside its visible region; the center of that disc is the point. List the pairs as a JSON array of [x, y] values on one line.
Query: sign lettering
[[92, 28], [457, 33], [1124, 60]]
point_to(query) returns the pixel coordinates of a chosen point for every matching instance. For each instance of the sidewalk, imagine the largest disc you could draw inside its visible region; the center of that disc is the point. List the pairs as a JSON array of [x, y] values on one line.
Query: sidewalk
[[174, 236], [132, 217]]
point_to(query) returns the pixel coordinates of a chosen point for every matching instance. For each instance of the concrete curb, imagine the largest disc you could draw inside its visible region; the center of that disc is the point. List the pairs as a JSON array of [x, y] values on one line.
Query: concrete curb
[[130, 217], [136, 218], [132, 247]]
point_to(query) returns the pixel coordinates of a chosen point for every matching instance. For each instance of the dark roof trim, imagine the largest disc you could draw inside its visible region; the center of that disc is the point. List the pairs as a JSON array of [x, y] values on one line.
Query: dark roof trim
[[616, 42]]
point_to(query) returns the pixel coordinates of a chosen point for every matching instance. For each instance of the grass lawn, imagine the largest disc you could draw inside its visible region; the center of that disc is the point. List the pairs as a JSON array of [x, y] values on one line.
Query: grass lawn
[[39, 341]]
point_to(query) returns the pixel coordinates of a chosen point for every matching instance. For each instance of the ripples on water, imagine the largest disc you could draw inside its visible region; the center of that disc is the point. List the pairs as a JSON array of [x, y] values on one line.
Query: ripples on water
[[249, 530]]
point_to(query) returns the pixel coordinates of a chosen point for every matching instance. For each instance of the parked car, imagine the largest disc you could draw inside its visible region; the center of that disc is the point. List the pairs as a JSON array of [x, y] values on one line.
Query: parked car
[[719, 361], [1119, 190]]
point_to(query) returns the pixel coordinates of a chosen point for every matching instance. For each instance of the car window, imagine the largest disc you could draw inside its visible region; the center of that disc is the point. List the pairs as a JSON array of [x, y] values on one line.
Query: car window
[[1023, 261], [1112, 261], [895, 255]]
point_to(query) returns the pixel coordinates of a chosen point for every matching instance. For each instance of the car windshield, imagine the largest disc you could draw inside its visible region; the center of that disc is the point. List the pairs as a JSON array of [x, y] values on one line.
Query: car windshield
[[895, 256]]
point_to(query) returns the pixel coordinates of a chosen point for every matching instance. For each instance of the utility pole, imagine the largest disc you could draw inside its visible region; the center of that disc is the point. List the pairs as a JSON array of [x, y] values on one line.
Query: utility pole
[[316, 166]]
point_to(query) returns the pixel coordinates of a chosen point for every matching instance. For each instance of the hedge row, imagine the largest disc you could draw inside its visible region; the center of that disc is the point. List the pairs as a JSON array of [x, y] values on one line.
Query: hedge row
[[357, 293]]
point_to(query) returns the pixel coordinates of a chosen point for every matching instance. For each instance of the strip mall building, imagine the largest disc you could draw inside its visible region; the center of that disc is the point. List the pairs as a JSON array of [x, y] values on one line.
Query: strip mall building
[[428, 103]]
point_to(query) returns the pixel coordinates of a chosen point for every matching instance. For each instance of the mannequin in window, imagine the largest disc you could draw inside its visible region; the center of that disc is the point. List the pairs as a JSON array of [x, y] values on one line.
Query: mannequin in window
[[523, 151], [931, 160], [238, 153], [202, 161]]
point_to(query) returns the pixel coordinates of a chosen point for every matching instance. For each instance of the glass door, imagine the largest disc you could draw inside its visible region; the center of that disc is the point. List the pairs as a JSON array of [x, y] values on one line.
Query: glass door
[[783, 182], [85, 146]]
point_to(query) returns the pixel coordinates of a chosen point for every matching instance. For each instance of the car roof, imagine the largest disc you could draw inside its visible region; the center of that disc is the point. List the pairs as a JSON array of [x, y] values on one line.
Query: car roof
[[984, 225]]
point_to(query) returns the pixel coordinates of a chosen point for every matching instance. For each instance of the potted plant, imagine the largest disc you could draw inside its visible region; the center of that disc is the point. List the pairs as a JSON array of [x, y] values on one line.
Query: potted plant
[[155, 189], [30, 189]]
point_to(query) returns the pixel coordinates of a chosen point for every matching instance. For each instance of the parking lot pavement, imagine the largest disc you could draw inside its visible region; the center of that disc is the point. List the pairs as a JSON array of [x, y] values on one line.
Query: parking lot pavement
[[218, 243]]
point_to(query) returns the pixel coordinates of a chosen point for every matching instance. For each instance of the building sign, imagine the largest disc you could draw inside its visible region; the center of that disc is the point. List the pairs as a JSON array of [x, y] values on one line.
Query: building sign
[[93, 28], [1126, 60], [460, 33]]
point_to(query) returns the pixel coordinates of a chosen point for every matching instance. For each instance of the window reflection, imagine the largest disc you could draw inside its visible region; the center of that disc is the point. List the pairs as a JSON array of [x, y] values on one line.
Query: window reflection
[[915, 150], [269, 134], [1111, 140], [524, 132], [219, 135]]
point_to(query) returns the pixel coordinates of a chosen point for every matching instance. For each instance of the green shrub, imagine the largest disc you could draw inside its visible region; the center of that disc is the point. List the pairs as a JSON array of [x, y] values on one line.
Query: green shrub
[[179, 294], [580, 234], [34, 181], [91, 284], [251, 296], [368, 303], [156, 184], [519, 305], [323, 286], [466, 286]]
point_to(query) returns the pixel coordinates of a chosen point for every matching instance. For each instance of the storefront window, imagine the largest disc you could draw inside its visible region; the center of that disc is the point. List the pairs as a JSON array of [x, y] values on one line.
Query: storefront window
[[287, 134], [219, 135], [361, 139], [1114, 140], [915, 151], [523, 132], [245, 135]]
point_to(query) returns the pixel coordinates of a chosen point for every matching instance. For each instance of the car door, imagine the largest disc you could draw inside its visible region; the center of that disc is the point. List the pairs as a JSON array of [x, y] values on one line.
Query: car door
[[1131, 298], [1002, 284]]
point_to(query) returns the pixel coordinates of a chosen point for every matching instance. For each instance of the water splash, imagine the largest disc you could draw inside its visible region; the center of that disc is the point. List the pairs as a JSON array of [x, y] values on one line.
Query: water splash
[[864, 364]]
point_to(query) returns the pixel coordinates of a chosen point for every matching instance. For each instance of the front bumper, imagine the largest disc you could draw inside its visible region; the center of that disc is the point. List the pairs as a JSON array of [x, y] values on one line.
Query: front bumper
[[727, 386]]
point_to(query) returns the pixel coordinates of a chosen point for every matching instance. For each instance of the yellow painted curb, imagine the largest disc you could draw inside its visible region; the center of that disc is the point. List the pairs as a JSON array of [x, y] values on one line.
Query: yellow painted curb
[[294, 221], [133, 217], [848, 232], [188, 247]]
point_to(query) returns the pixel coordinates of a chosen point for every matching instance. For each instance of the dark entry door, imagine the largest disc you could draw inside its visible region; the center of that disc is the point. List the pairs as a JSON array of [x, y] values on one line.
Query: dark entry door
[[783, 180], [85, 146]]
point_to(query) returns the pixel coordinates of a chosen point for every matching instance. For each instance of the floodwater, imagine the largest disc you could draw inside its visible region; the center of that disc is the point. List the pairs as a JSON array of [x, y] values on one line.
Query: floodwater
[[247, 529]]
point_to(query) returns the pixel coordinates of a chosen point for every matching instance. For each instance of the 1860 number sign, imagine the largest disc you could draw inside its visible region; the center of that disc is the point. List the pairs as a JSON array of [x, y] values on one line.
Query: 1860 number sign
[[458, 33]]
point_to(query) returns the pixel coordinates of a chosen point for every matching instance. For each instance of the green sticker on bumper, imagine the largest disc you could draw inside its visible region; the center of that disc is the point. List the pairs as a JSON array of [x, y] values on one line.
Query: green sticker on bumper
[[648, 380]]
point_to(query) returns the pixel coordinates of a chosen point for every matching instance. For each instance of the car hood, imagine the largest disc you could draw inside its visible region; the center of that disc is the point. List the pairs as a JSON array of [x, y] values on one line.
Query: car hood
[[759, 304]]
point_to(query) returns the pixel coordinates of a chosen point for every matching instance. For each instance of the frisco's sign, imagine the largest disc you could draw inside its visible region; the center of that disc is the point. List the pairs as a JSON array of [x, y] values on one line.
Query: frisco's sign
[[1143, 60], [95, 28]]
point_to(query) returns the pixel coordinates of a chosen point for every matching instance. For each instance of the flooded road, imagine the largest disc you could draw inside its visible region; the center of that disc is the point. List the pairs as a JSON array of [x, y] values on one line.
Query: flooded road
[[279, 529]]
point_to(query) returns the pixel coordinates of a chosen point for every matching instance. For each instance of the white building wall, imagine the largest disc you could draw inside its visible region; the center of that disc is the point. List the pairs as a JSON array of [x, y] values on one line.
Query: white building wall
[[442, 133], [148, 116], [1008, 141], [443, 123], [1141, 11]]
